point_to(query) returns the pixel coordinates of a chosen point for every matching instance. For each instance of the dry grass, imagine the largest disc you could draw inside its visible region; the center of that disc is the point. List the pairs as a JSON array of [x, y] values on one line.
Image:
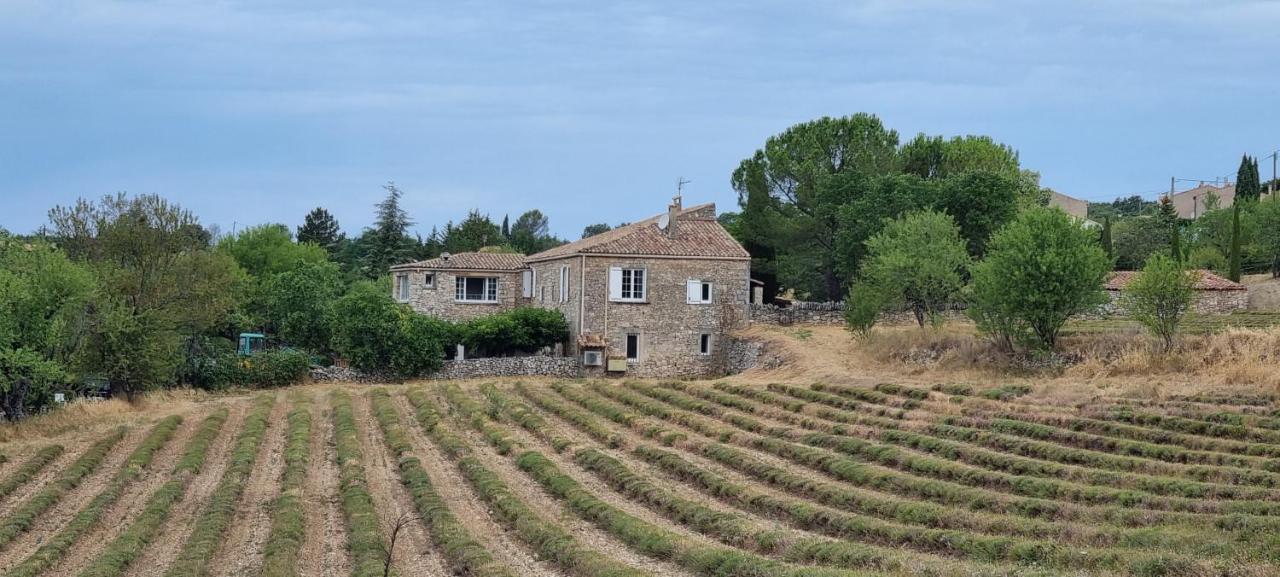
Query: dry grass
[[84, 415], [1086, 366]]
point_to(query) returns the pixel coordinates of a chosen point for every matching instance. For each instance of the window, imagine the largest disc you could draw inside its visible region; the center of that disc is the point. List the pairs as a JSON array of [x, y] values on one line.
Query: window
[[478, 289], [627, 284], [402, 287], [633, 347], [429, 280], [704, 344], [564, 284], [698, 292]]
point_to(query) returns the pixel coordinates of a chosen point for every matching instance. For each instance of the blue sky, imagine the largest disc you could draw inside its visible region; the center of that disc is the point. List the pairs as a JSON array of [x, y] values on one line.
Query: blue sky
[[250, 112]]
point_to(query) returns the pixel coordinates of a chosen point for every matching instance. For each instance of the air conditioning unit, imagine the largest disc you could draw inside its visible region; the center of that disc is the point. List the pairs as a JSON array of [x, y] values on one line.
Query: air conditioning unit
[[592, 358]]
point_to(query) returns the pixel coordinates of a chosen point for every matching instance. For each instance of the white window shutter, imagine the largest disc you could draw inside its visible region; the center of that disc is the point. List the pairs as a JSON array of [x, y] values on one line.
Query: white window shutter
[[526, 281], [564, 284], [615, 283], [693, 291]]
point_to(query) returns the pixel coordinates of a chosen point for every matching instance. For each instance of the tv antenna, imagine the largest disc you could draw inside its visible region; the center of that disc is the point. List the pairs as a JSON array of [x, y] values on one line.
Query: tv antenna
[[680, 182]]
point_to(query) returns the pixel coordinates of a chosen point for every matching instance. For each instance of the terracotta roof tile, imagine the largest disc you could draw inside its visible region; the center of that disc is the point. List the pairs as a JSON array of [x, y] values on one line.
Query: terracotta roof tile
[[1207, 282], [697, 235], [469, 261]]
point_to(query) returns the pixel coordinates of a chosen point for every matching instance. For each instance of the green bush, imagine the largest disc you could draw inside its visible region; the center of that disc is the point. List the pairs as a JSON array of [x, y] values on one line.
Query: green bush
[[1041, 269], [267, 369], [1160, 297], [376, 334], [918, 261], [519, 331]]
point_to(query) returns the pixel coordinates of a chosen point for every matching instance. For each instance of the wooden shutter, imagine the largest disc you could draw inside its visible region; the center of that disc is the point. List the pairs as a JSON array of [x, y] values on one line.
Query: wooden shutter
[[615, 283], [693, 291], [526, 284]]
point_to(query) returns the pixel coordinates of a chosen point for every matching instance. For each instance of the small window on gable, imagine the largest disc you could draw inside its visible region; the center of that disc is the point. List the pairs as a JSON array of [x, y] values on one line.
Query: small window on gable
[[402, 287], [704, 344]]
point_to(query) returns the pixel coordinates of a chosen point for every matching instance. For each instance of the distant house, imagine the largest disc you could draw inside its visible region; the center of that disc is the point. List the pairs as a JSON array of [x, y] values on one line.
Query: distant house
[[1072, 206], [653, 298], [1191, 203], [1214, 294]]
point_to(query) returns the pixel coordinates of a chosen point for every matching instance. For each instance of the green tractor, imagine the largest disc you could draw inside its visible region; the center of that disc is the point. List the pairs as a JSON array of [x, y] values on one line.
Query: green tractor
[[251, 343]]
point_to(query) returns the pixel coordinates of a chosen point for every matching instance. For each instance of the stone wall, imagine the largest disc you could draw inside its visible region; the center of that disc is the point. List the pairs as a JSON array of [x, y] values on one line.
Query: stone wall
[[532, 366], [745, 354], [799, 313], [1207, 302]]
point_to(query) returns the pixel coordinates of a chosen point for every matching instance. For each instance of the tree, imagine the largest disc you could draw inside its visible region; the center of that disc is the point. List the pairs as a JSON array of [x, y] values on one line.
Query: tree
[[792, 172], [1175, 245], [1135, 239], [1267, 220], [474, 233], [918, 261], [42, 304], [1248, 182], [268, 249], [594, 229], [506, 227], [379, 335], [320, 228], [390, 243], [981, 203], [934, 157], [298, 304], [1040, 270], [1106, 238], [159, 284], [1233, 265], [531, 233], [1160, 297]]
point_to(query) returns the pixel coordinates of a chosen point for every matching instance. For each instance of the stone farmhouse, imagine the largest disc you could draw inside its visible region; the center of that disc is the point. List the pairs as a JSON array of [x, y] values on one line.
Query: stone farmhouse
[[655, 298]]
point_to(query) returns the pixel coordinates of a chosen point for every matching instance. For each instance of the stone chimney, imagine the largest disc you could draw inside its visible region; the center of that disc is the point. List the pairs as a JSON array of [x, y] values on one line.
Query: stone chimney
[[672, 212]]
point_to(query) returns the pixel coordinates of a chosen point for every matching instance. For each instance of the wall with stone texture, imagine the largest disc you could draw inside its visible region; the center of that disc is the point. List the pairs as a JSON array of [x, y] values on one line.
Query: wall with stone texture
[[799, 313], [669, 326], [1207, 302], [544, 366], [439, 300]]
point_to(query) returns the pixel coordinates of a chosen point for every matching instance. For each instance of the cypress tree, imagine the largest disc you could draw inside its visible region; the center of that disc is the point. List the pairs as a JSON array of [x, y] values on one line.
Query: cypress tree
[[1234, 270], [1175, 247], [1248, 182], [1106, 237], [506, 226]]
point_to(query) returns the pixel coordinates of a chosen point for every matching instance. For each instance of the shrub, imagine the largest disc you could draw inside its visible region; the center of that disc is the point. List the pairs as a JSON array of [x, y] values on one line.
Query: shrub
[[918, 261], [377, 334], [1207, 257], [1041, 269], [275, 368], [1160, 296], [520, 331]]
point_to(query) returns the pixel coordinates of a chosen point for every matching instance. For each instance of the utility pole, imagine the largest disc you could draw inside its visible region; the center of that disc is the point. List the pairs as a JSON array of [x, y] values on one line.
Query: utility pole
[[1271, 186], [1171, 181]]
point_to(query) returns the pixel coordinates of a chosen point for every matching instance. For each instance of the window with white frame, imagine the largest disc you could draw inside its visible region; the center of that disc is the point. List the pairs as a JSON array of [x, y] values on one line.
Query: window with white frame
[[698, 291], [402, 287], [633, 346], [627, 284], [476, 289], [704, 344]]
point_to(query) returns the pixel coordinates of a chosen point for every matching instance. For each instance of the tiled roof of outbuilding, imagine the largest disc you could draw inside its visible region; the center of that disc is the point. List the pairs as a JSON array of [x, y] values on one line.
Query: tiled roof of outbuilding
[[697, 235], [1207, 282], [469, 261]]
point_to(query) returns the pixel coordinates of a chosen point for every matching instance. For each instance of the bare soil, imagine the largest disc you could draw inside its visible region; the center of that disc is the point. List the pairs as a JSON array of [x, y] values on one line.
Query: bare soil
[[242, 550], [324, 551]]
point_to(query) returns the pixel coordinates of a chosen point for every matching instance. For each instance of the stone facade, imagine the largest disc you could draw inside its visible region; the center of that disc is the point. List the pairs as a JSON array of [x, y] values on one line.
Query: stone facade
[[535, 366], [799, 313], [439, 298], [1206, 302]]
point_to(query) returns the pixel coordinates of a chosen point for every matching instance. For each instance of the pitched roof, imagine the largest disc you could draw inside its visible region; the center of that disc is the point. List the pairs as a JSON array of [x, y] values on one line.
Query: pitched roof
[[1207, 281], [469, 261], [698, 234]]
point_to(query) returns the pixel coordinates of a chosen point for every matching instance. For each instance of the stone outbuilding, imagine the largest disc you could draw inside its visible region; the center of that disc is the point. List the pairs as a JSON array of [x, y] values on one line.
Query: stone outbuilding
[[655, 298], [1214, 294]]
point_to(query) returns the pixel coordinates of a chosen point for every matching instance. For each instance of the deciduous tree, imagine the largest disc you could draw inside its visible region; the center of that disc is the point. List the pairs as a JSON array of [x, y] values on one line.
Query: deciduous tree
[[918, 260], [1160, 296]]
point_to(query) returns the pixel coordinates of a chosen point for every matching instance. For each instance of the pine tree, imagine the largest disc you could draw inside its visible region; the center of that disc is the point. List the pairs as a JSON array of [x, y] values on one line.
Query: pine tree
[[321, 228], [1234, 265], [391, 243], [1106, 238]]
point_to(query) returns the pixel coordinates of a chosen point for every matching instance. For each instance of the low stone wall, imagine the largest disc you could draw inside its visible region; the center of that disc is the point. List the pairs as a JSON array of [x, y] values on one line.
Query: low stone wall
[[799, 313], [535, 366], [1206, 302], [744, 354]]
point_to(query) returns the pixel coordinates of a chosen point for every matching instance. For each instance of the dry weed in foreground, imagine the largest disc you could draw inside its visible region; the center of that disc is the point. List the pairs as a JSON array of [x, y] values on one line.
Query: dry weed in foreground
[[92, 414]]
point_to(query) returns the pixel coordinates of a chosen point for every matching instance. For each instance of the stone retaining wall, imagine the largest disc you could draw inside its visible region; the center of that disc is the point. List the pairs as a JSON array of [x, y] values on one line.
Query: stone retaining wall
[[799, 313], [535, 366], [744, 354]]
